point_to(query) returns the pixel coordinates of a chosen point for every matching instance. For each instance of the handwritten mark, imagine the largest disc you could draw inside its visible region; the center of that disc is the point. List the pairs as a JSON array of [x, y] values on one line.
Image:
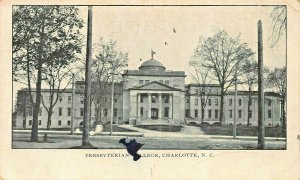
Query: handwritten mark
[[132, 148]]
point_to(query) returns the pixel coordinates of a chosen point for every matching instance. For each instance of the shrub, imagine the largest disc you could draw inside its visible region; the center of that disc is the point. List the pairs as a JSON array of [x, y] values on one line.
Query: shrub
[[205, 124], [216, 124], [192, 124]]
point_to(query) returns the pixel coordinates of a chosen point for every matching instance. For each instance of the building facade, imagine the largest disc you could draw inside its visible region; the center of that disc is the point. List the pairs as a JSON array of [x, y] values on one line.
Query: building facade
[[149, 95]]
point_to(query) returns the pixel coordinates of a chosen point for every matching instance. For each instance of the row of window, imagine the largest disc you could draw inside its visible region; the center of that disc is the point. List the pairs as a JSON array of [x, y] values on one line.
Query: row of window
[[216, 102], [155, 97], [187, 113], [40, 122], [69, 112], [269, 102], [141, 82], [60, 98], [205, 91], [166, 112], [196, 114]]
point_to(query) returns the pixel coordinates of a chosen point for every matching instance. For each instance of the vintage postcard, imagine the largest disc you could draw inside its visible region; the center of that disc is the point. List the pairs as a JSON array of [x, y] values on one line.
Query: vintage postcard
[[155, 90]]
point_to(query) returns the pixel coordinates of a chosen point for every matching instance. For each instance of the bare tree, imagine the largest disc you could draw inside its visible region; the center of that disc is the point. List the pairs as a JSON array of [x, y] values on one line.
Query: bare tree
[[42, 34], [221, 54], [279, 24], [277, 81], [202, 80], [55, 81], [108, 60]]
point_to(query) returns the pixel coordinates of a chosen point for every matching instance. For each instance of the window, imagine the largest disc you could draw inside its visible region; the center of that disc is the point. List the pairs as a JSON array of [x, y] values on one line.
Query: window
[[115, 100], [187, 113], [196, 113], [153, 98], [69, 123], [166, 98], [230, 113], [216, 113], [40, 111], [141, 82], [69, 98], [81, 100], [217, 91], [250, 102], [187, 100], [269, 114], [216, 102], [240, 102], [81, 111], [269, 102], [40, 122], [197, 91], [209, 102], [105, 112], [230, 102], [24, 123], [196, 102], [60, 98], [166, 112], [167, 82], [141, 112], [50, 123], [146, 81], [141, 99], [250, 114], [209, 90], [59, 111], [30, 122], [240, 114], [115, 112], [69, 111], [59, 122], [209, 113], [186, 91], [161, 81]]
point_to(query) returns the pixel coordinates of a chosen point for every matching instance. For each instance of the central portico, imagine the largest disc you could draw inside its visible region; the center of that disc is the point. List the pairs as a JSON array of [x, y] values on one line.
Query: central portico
[[152, 95]]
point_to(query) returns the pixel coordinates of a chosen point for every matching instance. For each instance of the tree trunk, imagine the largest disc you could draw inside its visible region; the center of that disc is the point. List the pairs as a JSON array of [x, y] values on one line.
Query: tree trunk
[[202, 114], [49, 118], [221, 105], [249, 99], [283, 114], [34, 131]]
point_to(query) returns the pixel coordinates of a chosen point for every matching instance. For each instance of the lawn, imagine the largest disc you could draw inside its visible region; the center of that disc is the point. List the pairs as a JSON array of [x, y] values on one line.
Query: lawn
[[242, 131], [162, 128]]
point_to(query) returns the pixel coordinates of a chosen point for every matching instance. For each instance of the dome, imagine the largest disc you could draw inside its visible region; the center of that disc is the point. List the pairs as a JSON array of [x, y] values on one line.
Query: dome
[[152, 64]]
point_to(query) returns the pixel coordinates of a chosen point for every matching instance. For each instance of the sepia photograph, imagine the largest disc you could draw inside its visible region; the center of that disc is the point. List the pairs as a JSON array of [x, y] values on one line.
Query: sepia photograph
[[149, 77]]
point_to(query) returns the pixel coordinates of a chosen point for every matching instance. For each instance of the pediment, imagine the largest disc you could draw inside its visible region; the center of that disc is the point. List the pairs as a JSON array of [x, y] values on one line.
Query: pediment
[[155, 86]]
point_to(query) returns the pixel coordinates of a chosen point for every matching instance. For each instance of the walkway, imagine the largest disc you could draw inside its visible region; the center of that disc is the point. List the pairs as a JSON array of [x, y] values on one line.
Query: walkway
[[189, 131]]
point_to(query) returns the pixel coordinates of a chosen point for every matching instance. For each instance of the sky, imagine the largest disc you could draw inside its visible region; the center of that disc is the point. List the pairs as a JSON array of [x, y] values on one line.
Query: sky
[[137, 30]]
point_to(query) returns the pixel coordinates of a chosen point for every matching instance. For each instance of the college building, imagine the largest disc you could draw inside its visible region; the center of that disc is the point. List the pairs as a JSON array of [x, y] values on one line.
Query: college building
[[149, 95]]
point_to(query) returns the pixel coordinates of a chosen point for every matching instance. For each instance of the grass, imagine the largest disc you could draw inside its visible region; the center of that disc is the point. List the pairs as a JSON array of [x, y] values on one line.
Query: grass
[[162, 128], [241, 130], [106, 128]]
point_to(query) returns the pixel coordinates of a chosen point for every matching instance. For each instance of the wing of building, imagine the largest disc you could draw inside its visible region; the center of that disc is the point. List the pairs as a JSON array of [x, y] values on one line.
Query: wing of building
[[149, 95]]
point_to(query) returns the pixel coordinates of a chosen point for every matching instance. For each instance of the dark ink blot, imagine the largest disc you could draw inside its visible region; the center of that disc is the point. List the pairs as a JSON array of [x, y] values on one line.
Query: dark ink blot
[[132, 148]]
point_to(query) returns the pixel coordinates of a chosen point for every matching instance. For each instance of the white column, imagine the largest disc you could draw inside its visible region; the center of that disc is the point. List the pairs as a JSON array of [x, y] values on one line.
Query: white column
[[149, 105], [138, 105], [170, 106], [159, 106]]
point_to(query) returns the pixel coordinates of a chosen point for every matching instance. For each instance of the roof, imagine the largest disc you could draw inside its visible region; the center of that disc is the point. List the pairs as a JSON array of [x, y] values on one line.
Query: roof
[[202, 85], [152, 63]]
